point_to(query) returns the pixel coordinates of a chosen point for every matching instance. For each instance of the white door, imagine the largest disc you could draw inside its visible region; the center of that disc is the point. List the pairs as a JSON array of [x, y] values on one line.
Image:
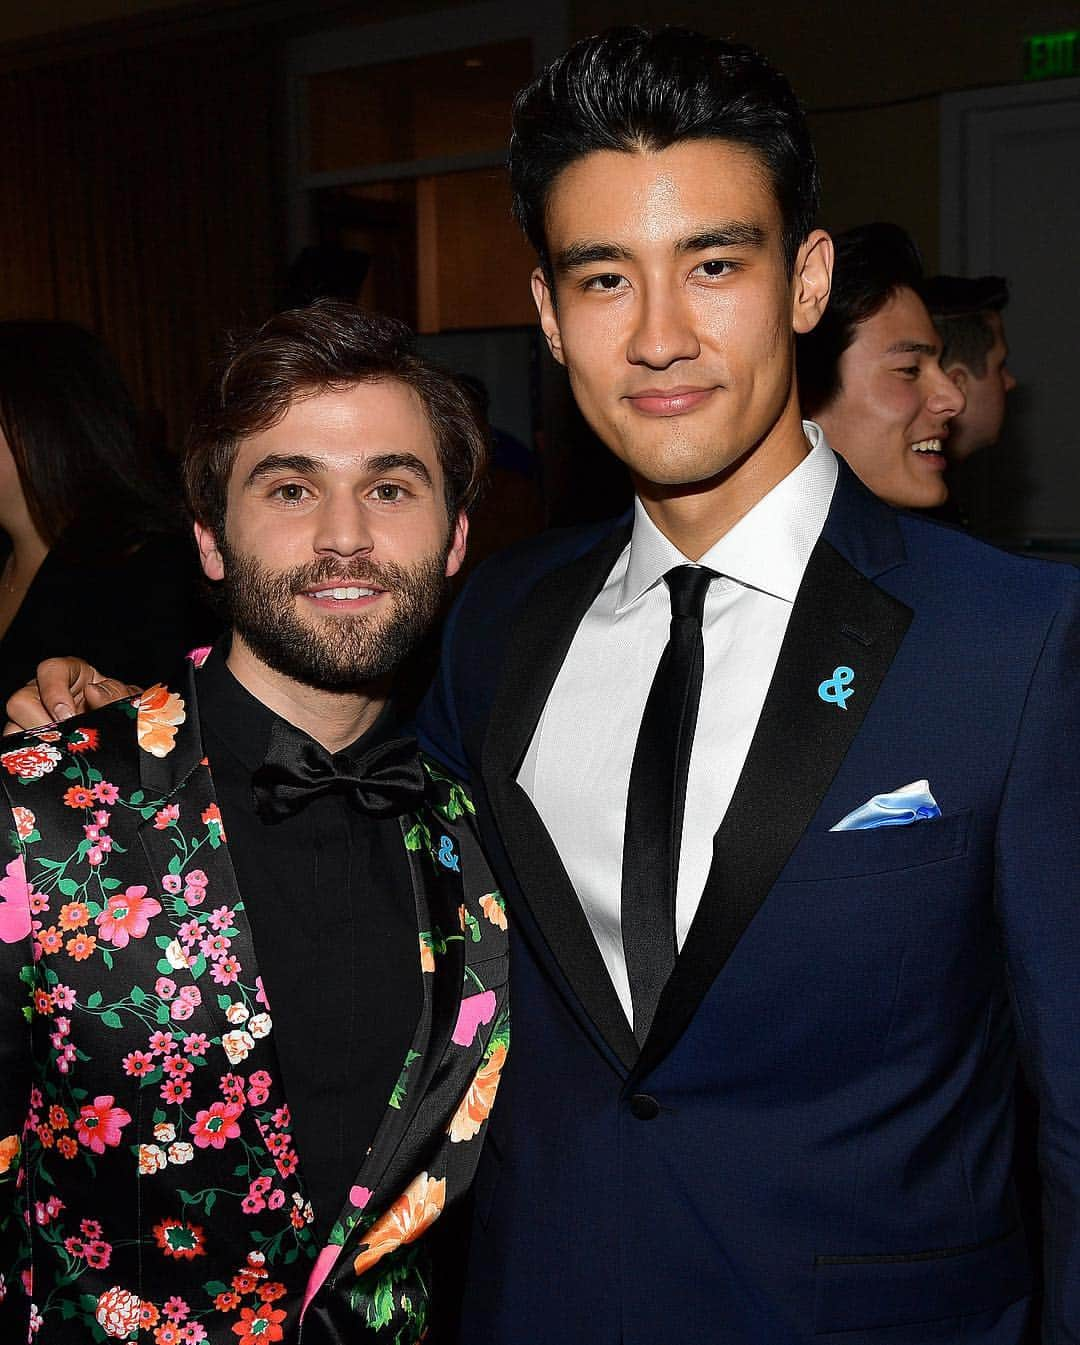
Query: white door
[[1010, 205]]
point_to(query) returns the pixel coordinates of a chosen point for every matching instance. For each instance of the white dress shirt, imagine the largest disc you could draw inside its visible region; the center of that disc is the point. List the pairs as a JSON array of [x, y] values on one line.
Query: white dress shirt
[[577, 768]]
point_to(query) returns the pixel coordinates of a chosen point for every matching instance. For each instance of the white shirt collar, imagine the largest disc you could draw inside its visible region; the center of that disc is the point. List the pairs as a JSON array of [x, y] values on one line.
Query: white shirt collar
[[767, 549]]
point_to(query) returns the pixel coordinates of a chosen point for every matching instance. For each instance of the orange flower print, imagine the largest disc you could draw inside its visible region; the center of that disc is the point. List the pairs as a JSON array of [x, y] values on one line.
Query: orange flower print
[[81, 946], [493, 908], [78, 796], [474, 1107], [427, 956], [118, 1312], [211, 817], [410, 1215], [25, 822], [160, 711], [30, 762], [261, 1325], [9, 1153]]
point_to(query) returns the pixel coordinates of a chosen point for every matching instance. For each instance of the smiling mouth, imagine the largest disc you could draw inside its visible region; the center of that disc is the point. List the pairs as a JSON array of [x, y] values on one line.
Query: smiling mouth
[[342, 594]]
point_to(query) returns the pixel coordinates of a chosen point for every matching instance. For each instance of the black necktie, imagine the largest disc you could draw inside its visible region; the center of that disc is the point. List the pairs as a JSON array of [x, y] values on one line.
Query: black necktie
[[654, 805], [383, 782]]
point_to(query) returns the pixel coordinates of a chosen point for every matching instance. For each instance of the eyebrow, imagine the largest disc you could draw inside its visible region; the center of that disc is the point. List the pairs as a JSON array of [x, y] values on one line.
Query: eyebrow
[[733, 234], [303, 465], [912, 348]]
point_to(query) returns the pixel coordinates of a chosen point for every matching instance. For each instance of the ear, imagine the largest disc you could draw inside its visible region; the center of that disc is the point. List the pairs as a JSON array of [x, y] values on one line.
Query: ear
[[960, 377], [812, 281], [209, 555], [456, 555], [545, 306]]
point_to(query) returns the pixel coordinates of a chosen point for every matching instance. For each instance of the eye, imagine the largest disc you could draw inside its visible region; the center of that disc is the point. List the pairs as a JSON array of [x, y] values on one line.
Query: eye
[[389, 492], [607, 282], [292, 492], [715, 267], [911, 371]]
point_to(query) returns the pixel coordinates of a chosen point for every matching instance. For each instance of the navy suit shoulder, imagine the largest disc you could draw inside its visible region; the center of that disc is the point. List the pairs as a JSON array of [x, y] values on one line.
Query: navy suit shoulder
[[452, 718]]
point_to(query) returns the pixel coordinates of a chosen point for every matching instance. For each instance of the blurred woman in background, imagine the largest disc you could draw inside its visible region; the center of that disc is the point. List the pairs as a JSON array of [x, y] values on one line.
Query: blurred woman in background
[[91, 531]]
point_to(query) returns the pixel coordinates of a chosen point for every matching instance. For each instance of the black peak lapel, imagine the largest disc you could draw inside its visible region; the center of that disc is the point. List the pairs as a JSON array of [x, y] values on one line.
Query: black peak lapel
[[840, 620], [536, 649]]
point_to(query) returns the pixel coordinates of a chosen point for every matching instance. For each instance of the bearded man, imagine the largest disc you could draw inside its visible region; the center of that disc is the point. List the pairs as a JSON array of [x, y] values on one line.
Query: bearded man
[[243, 1076]]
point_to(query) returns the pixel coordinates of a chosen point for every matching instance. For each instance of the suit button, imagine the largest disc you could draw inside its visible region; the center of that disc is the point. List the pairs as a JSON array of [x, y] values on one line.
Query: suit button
[[644, 1107]]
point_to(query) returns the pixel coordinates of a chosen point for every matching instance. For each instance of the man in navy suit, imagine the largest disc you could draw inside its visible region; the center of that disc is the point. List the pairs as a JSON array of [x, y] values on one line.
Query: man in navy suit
[[761, 1090], [762, 1087]]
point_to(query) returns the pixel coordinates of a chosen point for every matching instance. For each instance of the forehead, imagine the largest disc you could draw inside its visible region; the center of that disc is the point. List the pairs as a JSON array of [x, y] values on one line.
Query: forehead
[[689, 185], [345, 426], [901, 320]]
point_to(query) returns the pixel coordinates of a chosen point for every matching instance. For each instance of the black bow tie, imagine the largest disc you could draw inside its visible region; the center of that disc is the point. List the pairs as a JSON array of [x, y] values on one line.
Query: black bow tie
[[384, 782]]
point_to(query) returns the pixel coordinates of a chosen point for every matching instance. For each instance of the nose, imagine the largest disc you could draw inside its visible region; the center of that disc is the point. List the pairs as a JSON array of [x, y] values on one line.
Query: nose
[[663, 332], [945, 398], [342, 526], [1007, 378]]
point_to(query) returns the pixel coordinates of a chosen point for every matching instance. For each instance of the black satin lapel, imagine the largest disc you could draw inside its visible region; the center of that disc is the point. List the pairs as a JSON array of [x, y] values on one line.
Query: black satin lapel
[[840, 618], [536, 649]]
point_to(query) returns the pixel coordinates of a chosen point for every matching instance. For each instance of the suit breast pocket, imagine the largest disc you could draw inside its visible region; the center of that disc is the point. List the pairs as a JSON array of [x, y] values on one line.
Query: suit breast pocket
[[852, 854]]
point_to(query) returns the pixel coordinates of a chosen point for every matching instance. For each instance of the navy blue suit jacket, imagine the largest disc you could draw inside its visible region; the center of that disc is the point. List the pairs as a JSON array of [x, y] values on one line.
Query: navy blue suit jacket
[[815, 1140]]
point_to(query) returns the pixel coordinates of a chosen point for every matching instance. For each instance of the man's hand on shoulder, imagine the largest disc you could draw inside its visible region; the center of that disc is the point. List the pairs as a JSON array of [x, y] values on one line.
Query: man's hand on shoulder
[[64, 687]]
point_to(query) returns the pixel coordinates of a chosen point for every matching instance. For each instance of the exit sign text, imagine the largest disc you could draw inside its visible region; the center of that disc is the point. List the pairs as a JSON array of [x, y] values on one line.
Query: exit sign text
[[1051, 55]]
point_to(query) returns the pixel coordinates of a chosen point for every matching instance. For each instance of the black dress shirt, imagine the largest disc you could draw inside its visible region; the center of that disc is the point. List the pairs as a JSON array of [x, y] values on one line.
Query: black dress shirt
[[330, 900]]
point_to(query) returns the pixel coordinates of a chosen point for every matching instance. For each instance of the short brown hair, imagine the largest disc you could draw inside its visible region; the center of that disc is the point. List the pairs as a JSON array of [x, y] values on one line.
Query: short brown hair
[[329, 344]]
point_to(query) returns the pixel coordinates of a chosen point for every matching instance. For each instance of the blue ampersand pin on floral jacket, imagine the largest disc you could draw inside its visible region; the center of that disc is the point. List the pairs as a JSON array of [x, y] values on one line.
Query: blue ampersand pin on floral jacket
[[150, 1188]]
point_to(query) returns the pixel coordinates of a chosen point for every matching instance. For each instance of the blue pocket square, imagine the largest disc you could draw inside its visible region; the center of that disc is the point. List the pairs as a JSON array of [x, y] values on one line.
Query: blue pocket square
[[909, 803]]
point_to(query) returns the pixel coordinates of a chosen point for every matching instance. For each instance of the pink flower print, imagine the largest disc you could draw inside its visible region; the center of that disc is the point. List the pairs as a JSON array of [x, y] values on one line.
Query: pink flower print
[[165, 817], [180, 1010], [127, 916], [226, 971], [175, 1090], [359, 1196], [164, 987], [172, 883], [216, 1124], [474, 1011], [138, 1063], [260, 993], [161, 1042], [191, 994], [99, 1123], [63, 997], [215, 946], [220, 918], [276, 1198], [15, 921], [200, 655], [105, 792], [252, 1204], [196, 1043], [98, 1255], [175, 1308], [101, 817], [94, 856], [24, 821], [196, 878]]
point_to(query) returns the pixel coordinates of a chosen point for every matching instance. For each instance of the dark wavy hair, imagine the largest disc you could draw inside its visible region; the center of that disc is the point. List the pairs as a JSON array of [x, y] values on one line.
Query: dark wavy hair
[[873, 261], [634, 89], [328, 344], [74, 433]]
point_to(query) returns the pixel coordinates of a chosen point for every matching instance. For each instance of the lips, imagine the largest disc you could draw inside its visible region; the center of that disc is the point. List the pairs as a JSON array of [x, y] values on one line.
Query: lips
[[669, 401]]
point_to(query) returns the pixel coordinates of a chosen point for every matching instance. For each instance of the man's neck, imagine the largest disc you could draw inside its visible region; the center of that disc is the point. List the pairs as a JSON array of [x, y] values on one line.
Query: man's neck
[[333, 718], [694, 517]]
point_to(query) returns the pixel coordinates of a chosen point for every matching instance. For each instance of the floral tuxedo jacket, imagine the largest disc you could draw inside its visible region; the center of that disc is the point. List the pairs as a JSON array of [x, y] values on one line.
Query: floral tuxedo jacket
[[150, 1189]]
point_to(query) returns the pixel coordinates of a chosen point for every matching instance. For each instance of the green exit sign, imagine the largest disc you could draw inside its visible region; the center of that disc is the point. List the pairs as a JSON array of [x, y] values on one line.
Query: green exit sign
[[1051, 55]]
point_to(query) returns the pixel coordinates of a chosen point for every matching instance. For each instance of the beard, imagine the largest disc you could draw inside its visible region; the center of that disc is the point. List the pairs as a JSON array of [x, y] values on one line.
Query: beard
[[342, 653]]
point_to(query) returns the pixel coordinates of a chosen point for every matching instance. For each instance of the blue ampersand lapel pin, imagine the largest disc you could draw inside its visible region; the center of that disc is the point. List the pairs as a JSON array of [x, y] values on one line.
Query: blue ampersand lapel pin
[[832, 690]]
